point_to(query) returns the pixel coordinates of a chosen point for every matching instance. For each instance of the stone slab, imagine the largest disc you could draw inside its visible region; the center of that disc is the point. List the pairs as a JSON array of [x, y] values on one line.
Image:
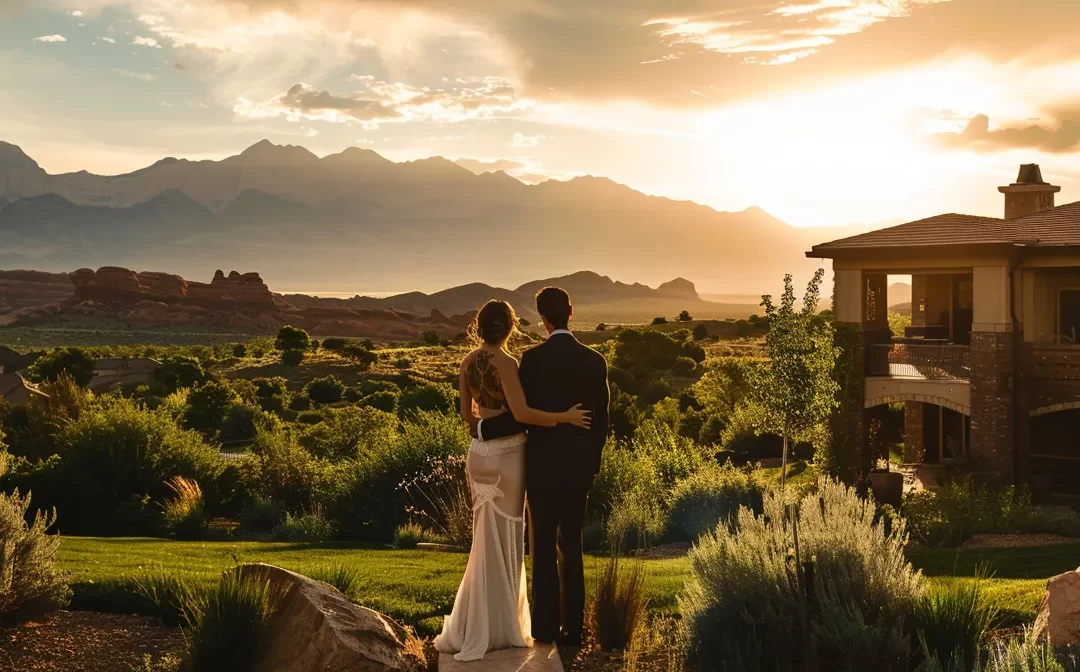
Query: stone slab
[[541, 658]]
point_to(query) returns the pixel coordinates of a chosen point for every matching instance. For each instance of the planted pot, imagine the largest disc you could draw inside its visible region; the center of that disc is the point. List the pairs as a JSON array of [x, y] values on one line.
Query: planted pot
[[888, 487]]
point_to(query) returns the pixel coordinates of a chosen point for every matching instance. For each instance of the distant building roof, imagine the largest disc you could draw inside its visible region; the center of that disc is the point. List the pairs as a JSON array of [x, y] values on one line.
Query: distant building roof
[[11, 361], [1050, 228], [15, 389], [132, 363]]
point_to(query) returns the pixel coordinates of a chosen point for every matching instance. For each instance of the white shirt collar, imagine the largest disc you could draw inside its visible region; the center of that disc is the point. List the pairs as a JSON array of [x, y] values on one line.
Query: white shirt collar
[[560, 331]]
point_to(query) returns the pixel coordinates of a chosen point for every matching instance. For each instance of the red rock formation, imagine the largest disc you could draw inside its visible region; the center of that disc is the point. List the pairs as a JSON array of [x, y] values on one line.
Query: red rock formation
[[111, 284]]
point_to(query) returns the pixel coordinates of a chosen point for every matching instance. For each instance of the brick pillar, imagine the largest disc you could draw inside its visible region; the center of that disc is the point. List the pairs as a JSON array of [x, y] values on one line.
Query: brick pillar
[[992, 419], [914, 448]]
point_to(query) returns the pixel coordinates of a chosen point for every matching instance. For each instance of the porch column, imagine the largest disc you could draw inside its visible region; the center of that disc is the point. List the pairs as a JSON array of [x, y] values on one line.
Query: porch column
[[860, 305], [992, 385]]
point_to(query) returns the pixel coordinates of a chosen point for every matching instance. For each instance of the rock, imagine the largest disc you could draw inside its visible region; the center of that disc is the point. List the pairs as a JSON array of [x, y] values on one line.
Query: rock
[[111, 285], [1059, 615], [317, 629]]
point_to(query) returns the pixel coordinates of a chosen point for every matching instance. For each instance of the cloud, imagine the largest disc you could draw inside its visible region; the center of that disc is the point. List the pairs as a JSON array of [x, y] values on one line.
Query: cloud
[[50, 39], [140, 41], [141, 76], [1062, 135], [77, 13], [521, 141], [109, 40], [377, 102]]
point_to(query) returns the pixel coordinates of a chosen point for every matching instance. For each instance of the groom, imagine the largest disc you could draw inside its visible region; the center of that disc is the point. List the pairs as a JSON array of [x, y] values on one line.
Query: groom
[[560, 463]]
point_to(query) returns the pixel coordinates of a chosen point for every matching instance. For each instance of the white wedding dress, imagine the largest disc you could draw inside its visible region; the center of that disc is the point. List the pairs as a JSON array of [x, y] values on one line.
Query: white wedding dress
[[491, 610]]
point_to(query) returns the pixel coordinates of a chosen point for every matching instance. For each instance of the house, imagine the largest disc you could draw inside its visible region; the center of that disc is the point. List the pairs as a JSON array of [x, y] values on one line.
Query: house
[[989, 371], [14, 389], [122, 371]]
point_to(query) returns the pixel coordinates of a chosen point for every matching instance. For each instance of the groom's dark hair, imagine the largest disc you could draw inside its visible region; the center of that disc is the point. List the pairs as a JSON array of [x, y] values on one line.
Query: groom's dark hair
[[553, 304]]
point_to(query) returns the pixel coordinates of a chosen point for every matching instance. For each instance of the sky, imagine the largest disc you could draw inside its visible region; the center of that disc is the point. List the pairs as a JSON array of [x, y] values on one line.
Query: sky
[[822, 112]]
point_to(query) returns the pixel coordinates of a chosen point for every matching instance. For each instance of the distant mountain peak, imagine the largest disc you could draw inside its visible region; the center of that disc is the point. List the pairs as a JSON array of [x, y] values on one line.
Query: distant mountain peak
[[265, 151], [357, 155], [12, 156]]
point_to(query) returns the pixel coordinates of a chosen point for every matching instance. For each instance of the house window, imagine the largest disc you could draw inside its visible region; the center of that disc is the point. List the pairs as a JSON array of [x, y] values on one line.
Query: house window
[[1069, 316]]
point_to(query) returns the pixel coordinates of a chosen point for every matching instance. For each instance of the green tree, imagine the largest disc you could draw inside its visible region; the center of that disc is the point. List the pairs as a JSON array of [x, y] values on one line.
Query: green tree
[[326, 390], [75, 362], [176, 373], [292, 338], [795, 389]]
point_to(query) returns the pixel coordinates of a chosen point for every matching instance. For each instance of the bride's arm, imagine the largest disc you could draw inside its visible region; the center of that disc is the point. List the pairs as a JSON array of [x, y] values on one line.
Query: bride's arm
[[465, 399], [515, 399]]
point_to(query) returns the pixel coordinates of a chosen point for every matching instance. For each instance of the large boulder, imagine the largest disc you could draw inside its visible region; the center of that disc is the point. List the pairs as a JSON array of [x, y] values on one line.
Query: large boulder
[[1059, 616], [317, 629]]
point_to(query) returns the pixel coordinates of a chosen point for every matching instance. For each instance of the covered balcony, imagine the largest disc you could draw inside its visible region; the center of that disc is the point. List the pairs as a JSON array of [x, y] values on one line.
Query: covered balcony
[[919, 359]]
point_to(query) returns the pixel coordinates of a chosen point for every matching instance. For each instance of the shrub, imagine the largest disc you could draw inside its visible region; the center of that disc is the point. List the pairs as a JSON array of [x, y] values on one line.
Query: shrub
[[658, 321], [334, 343], [300, 402], [33, 427], [360, 355], [403, 363], [74, 362], [1030, 654], [386, 401], [308, 526], [952, 621], [654, 391], [261, 515], [208, 406], [292, 357], [646, 350], [692, 351], [269, 387], [30, 583], [292, 338], [713, 494], [282, 471], [701, 332], [624, 380], [619, 606], [119, 451], [184, 514], [430, 337], [169, 595], [684, 366], [242, 421], [239, 351], [601, 327], [437, 397], [176, 373], [407, 536], [227, 625], [350, 432], [749, 601], [961, 509], [345, 578], [439, 499], [370, 505], [325, 390], [685, 316]]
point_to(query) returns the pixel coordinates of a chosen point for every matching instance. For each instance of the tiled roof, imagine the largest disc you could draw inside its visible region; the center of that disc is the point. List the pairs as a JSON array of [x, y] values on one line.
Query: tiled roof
[[1058, 226]]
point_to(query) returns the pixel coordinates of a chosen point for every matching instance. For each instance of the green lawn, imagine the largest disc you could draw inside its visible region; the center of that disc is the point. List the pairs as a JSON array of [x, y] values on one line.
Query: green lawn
[[418, 587], [414, 587]]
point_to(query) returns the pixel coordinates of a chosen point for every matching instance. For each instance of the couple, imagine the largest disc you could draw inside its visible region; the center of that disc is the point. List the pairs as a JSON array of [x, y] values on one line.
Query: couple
[[540, 428]]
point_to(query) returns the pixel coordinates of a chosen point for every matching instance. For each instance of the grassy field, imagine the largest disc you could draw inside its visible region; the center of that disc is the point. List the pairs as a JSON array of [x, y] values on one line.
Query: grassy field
[[414, 587], [418, 587]]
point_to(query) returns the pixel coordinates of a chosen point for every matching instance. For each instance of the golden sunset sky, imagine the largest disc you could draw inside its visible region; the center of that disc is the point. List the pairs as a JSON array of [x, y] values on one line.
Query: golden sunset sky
[[827, 112]]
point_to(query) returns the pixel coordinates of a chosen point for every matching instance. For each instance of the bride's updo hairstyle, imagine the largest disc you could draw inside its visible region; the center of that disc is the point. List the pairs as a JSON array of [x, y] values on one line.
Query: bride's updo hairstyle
[[495, 322]]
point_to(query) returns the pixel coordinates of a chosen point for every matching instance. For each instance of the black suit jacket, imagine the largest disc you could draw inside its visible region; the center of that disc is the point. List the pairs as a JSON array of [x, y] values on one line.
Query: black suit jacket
[[556, 375]]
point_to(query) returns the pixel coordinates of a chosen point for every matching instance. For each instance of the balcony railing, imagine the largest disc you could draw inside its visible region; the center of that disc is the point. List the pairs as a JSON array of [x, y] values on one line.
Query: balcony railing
[[938, 361]]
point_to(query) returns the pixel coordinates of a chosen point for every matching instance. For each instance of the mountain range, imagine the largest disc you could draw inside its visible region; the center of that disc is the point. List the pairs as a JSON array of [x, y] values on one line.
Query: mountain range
[[358, 220], [597, 298]]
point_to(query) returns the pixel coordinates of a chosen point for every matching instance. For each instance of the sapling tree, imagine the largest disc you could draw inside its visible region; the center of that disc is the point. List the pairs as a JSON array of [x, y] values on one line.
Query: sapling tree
[[795, 389]]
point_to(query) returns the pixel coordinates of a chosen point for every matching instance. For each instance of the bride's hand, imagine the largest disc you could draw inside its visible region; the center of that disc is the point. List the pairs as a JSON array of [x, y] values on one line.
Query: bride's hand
[[579, 416]]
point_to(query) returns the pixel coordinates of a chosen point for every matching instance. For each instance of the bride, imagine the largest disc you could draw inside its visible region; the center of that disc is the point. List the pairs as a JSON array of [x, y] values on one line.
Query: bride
[[491, 610]]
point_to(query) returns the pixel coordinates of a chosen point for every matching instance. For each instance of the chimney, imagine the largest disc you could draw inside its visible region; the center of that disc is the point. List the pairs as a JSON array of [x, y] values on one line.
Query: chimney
[[1029, 194]]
